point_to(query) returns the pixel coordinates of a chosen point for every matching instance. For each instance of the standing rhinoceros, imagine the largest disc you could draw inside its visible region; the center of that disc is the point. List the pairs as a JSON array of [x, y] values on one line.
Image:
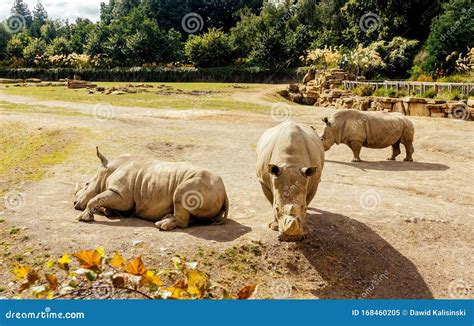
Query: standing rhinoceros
[[359, 129], [165, 193], [290, 160]]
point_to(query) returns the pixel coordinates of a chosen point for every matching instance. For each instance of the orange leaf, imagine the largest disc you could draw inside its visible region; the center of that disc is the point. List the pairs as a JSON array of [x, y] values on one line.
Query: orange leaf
[[197, 282], [136, 267], [117, 261], [89, 259], [150, 278], [246, 292], [52, 280], [21, 272]]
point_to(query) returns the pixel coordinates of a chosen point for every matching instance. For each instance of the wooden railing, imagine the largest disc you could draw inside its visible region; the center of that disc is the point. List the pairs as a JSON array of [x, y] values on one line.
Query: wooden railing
[[412, 87]]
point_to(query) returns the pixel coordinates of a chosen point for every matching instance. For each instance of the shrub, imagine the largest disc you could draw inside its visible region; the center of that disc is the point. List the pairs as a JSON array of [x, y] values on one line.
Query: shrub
[[363, 61], [385, 92], [453, 95], [323, 58], [364, 90], [213, 49], [59, 46], [36, 48], [398, 55], [430, 93]]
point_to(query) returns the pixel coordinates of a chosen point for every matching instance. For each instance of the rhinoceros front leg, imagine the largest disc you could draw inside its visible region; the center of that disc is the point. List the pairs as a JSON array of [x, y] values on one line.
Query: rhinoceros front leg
[[103, 201], [395, 151], [356, 147], [186, 198]]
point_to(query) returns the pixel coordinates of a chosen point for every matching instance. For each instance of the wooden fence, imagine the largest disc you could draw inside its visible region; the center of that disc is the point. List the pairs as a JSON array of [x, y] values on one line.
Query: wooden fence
[[413, 87]]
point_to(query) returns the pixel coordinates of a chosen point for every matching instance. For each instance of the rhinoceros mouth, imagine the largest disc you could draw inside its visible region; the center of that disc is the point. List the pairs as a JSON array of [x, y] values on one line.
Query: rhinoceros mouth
[[291, 229]]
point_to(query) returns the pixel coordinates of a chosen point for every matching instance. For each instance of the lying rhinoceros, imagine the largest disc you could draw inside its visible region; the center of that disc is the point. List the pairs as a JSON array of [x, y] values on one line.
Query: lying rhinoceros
[[165, 193], [359, 129], [290, 160]]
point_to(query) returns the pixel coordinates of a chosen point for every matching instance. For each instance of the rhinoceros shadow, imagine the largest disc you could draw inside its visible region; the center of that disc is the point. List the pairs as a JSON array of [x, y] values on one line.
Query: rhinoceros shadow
[[356, 262], [394, 166], [229, 231]]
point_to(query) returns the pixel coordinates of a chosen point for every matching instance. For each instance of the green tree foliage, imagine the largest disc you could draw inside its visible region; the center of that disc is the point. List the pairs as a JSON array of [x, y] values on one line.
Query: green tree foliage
[[212, 49], [452, 31], [59, 46], [35, 48], [20, 8], [39, 19], [4, 38]]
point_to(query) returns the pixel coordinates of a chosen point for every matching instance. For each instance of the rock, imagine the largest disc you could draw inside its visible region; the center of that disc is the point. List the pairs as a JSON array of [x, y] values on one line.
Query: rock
[[310, 75], [118, 93], [308, 100], [33, 80], [294, 88], [296, 97], [414, 100], [136, 243]]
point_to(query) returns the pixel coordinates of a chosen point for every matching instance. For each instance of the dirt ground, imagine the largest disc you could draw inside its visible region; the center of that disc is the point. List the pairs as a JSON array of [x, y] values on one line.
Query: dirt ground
[[378, 229]]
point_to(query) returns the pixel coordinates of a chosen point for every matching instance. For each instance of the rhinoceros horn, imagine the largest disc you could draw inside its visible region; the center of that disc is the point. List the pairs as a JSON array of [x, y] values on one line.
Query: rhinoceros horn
[[102, 158]]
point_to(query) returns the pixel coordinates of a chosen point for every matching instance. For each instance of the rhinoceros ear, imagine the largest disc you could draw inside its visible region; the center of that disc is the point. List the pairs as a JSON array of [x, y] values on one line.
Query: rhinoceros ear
[[274, 170], [309, 172], [326, 121], [102, 158]]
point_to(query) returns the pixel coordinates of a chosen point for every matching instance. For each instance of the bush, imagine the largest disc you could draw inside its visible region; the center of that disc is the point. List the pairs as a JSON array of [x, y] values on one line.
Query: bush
[[35, 49], [453, 95], [213, 49], [385, 92], [362, 61], [59, 46], [398, 55], [323, 58], [430, 93], [364, 90]]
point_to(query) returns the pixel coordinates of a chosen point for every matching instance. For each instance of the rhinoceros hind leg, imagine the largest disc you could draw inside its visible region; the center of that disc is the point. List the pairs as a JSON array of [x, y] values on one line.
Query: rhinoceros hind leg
[[395, 151], [274, 226], [410, 150], [168, 223], [106, 200], [356, 147]]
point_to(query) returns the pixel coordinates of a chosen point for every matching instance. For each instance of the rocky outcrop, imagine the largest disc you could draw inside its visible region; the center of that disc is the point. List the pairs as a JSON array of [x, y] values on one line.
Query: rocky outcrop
[[325, 90]]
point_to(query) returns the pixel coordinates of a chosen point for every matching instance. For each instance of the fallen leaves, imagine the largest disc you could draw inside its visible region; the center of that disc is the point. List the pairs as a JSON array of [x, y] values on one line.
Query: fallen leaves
[[186, 281]]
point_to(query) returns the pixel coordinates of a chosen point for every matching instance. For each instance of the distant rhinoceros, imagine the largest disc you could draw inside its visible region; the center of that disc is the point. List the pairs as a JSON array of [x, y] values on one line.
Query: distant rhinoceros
[[359, 129], [290, 160], [165, 193]]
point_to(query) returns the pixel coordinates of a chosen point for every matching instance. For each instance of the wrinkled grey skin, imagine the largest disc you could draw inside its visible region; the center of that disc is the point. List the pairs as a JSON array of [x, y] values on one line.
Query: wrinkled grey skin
[[166, 193], [290, 161], [359, 129]]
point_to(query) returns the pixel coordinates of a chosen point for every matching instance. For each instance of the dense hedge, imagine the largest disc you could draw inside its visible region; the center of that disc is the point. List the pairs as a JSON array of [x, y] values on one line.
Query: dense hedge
[[223, 74]]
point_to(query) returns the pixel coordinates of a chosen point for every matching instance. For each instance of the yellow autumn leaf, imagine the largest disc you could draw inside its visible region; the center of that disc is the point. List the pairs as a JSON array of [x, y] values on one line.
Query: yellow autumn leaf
[[150, 278], [197, 282], [64, 262], [118, 261], [21, 272], [89, 259], [136, 267], [101, 251], [177, 290], [50, 263]]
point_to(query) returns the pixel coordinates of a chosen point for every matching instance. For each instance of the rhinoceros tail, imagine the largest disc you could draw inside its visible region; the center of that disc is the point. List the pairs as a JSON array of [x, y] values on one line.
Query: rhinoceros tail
[[221, 218]]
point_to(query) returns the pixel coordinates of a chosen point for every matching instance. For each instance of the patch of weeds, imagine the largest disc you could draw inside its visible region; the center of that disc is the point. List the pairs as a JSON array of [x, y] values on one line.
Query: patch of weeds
[[14, 231], [2, 220], [2, 289]]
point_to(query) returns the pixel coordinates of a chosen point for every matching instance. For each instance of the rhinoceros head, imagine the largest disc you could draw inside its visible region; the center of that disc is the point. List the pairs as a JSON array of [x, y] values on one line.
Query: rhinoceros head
[[290, 189], [328, 138], [93, 187]]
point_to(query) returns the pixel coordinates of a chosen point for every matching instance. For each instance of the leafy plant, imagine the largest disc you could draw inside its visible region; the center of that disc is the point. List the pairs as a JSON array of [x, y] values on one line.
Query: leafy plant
[[364, 90], [430, 93], [212, 49], [101, 275]]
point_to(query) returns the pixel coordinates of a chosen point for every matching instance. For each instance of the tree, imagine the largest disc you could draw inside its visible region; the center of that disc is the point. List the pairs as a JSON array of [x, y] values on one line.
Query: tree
[[212, 49], [16, 45], [4, 38], [35, 49], [80, 32], [39, 19], [59, 46], [452, 31], [20, 8]]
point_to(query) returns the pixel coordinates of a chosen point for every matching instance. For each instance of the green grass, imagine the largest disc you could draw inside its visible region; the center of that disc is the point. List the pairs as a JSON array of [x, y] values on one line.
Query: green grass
[[223, 99], [27, 153], [27, 108]]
